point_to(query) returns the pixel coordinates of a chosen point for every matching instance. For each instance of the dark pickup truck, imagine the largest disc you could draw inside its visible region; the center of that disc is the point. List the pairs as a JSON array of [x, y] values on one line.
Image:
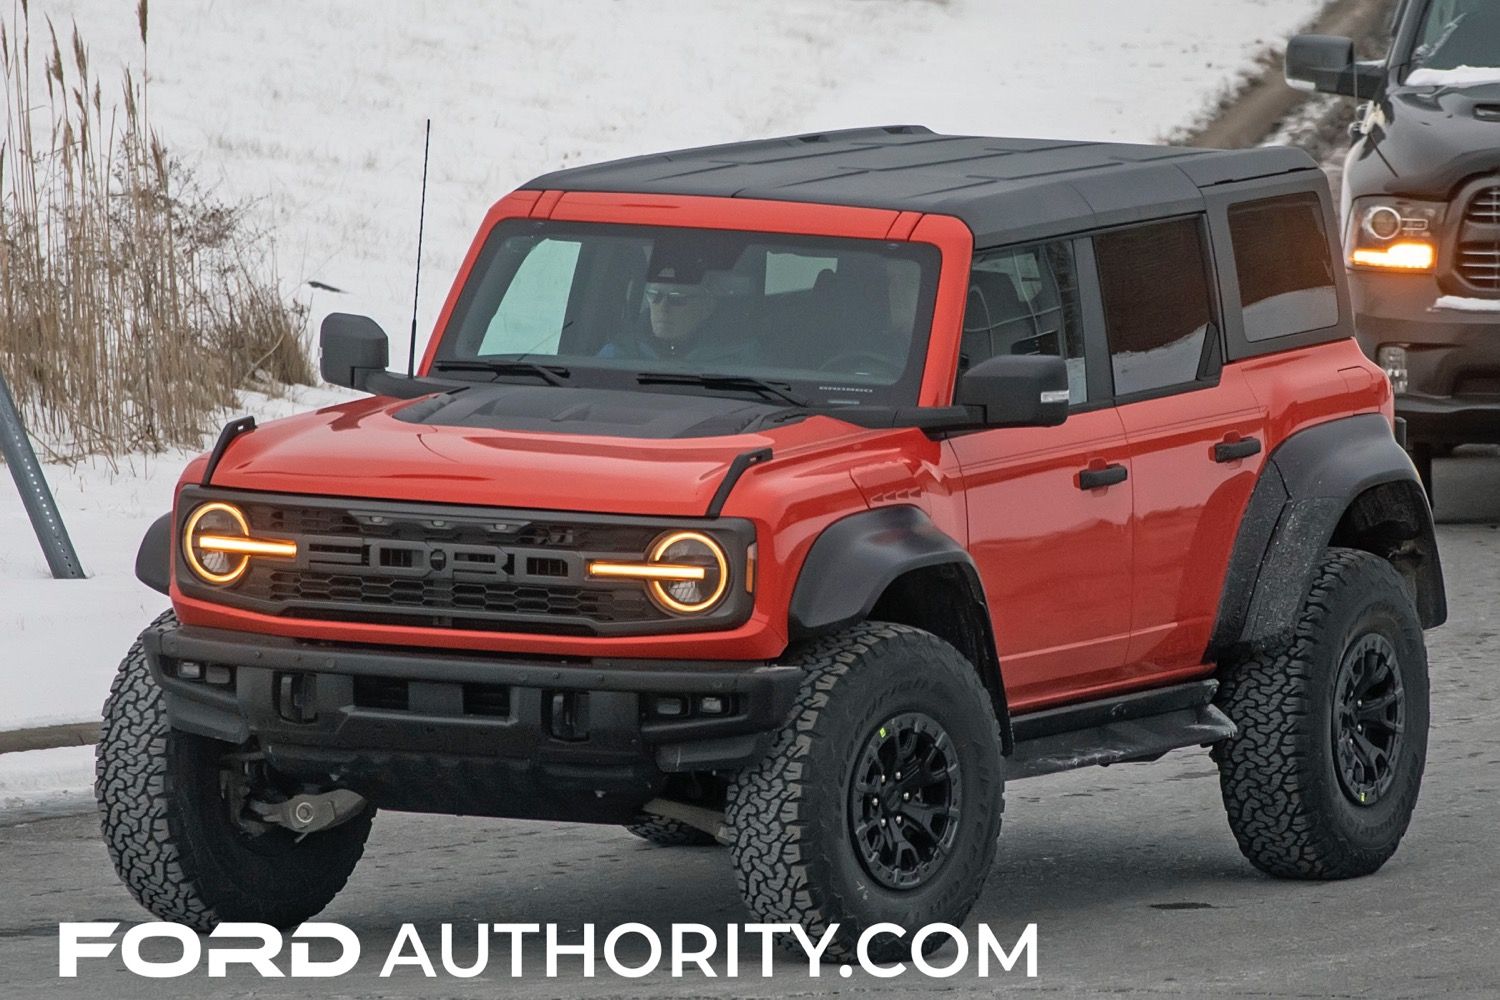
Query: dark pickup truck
[[1421, 212]]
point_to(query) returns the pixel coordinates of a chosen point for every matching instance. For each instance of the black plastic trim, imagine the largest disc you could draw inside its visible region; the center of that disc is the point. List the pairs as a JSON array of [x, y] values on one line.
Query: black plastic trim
[[737, 468], [1120, 741], [1306, 487], [855, 559], [153, 561], [232, 430], [1120, 708], [430, 753]]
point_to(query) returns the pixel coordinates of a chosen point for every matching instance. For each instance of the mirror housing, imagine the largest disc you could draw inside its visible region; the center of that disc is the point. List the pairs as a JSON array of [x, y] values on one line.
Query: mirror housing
[[1016, 390], [353, 348], [1325, 63]]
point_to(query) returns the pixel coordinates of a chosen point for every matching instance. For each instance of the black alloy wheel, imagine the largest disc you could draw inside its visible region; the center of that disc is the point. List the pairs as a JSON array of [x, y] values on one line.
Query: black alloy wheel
[[904, 800], [1369, 718]]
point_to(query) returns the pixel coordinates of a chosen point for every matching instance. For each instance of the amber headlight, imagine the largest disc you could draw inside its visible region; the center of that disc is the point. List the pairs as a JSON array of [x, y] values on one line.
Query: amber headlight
[[218, 546], [1394, 234], [686, 572]]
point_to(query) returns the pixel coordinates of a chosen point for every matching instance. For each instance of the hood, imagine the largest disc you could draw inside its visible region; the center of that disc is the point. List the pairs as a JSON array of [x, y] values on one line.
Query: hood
[[551, 448], [1432, 139]]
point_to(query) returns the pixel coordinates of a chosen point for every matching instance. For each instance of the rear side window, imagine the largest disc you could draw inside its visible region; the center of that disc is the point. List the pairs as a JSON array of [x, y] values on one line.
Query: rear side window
[[1157, 307], [1025, 301], [1285, 268]]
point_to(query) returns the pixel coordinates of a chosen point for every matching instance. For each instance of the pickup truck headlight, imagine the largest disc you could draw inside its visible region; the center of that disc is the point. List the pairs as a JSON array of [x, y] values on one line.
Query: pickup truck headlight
[[686, 572], [218, 546], [1394, 234]]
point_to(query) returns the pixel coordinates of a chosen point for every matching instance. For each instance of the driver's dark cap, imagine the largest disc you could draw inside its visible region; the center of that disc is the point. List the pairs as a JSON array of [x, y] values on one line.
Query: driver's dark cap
[[686, 262]]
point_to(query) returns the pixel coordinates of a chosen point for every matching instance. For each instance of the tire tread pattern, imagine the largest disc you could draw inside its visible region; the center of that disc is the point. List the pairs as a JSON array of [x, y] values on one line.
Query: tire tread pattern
[[1272, 774]]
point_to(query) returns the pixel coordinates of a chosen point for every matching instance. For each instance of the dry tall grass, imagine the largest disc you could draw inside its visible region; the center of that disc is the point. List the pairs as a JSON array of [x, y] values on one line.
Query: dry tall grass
[[132, 304]]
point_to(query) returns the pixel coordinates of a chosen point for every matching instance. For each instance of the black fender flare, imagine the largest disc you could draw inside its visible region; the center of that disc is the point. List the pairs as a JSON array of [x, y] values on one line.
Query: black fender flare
[[153, 561], [857, 558], [1299, 503]]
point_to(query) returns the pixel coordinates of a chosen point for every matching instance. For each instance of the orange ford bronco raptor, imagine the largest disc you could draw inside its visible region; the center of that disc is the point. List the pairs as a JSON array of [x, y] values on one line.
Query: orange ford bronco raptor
[[798, 494]]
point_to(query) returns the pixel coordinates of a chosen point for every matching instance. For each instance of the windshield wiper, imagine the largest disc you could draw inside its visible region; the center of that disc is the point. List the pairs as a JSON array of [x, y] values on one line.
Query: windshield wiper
[[745, 382], [552, 375]]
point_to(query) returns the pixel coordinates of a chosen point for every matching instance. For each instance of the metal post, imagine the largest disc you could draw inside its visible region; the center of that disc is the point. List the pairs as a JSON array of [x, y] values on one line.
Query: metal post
[[27, 472]]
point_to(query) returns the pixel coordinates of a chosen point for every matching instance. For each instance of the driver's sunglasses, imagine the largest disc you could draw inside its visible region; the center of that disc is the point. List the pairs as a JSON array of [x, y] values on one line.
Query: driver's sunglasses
[[672, 296]]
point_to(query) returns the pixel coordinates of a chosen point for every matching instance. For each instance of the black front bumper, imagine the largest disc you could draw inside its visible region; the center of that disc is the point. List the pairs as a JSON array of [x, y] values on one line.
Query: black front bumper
[[476, 734], [1448, 350]]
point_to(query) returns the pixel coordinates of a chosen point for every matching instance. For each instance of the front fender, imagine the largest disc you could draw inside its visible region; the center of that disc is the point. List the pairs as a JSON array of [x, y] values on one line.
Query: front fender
[[153, 561]]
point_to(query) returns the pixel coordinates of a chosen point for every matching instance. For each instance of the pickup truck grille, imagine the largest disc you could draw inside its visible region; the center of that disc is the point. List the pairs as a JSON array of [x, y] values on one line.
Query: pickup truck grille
[[1485, 207], [1480, 265], [1479, 259], [437, 566]]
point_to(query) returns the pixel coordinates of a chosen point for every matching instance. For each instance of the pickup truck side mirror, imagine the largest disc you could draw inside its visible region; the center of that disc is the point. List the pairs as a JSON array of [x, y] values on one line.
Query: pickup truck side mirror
[[353, 349], [1325, 63], [1017, 390]]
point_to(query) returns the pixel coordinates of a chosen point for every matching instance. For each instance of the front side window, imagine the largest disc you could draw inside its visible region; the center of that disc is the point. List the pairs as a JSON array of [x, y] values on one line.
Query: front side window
[[1284, 264], [833, 320], [1025, 301], [1157, 308], [1458, 43]]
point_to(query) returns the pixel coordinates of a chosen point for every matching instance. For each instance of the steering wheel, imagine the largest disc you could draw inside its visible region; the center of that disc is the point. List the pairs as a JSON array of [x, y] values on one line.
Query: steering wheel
[[845, 361]]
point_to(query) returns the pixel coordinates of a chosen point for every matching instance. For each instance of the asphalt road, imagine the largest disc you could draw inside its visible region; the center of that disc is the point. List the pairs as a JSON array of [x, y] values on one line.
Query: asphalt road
[[1130, 874]]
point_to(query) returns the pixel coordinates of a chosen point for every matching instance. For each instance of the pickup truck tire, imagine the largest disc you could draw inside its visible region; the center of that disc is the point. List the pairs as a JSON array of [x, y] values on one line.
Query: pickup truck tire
[[1322, 777], [665, 832], [169, 831], [822, 829]]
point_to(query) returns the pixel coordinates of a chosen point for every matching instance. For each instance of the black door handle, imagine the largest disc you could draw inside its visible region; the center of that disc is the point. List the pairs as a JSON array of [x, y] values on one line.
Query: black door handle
[[1230, 451], [1109, 475]]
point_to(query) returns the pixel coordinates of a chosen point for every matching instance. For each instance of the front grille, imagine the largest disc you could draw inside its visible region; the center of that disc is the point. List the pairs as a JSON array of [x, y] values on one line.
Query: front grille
[[450, 567], [1479, 263], [1479, 253], [291, 520], [1485, 207], [454, 598]]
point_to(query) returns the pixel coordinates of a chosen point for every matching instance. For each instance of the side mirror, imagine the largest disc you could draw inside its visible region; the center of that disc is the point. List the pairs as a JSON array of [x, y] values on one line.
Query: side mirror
[[353, 349], [1326, 63], [1017, 390]]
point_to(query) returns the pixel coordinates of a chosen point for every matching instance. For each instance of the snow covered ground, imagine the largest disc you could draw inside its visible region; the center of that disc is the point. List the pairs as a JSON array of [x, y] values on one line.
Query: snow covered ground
[[315, 111]]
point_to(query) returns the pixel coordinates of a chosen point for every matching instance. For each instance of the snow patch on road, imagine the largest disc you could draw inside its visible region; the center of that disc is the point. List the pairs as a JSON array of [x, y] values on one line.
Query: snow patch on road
[[46, 782]]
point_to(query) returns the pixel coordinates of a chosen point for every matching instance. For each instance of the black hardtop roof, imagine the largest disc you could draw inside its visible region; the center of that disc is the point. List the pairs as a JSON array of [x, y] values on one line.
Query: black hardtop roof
[[1006, 190]]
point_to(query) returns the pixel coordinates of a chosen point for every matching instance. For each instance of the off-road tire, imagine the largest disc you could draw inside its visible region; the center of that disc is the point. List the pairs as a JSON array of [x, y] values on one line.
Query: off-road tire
[[169, 832], [665, 832], [789, 815], [1288, 807]]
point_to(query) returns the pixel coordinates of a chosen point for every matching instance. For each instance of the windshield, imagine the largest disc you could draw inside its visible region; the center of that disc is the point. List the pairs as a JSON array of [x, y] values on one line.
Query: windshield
[[830, 320], [1458, 44]]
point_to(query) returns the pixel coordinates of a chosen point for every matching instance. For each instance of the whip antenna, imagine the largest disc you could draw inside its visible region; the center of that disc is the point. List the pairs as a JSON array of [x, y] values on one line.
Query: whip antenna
[[411, 353]]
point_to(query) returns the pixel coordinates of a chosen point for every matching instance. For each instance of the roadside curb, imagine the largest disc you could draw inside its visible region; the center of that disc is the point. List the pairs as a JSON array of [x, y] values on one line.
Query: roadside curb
[[1253, 112], [73, 734]]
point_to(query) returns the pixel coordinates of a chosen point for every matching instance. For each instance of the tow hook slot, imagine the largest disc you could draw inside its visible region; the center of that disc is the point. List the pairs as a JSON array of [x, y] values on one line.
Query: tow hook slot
[[304, 814], [294, 698], [568, 715]]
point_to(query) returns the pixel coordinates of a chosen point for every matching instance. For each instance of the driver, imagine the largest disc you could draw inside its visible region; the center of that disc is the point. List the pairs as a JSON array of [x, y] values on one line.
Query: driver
[[689, 315]]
